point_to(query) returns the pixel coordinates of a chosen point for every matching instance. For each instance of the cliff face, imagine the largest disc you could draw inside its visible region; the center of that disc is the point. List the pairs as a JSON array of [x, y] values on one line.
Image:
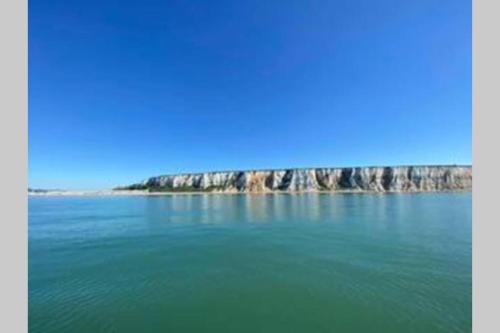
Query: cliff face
[[373, 179]]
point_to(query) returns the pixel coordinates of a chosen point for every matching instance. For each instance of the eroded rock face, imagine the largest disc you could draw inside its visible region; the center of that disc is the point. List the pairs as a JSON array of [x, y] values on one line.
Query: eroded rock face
[[372, 179]]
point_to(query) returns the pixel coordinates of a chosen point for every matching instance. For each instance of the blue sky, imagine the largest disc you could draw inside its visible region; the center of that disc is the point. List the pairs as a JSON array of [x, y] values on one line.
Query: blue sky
[[123, 90]]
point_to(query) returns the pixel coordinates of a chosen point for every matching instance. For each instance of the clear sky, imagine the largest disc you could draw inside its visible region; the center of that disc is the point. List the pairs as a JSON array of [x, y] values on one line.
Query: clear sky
[[123, 90]]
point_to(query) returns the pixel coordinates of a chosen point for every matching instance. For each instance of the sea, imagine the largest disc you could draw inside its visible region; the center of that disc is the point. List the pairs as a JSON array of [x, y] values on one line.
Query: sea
[[310, 262]]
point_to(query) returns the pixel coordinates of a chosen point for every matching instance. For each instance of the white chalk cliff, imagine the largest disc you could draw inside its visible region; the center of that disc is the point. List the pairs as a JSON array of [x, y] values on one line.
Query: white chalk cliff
[[358, 179]]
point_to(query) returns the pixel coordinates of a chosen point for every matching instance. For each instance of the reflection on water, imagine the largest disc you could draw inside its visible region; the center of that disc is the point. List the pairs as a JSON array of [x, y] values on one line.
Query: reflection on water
[[259, 208], [262, 208], [246, 263]]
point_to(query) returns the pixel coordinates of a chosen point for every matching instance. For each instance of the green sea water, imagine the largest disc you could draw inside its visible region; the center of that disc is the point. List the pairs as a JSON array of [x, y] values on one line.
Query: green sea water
[[251, 263]]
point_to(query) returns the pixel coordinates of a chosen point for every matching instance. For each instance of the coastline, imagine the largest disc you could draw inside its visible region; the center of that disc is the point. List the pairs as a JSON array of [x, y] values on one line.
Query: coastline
[[356, 179], [104, 193], [398, 179]]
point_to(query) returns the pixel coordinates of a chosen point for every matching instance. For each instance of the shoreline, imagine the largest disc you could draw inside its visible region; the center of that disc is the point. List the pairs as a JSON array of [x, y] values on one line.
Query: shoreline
[[147, 193], [359, 179]]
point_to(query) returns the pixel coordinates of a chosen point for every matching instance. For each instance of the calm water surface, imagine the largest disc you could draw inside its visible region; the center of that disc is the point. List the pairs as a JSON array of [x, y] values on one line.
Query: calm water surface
[[251, 263]]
